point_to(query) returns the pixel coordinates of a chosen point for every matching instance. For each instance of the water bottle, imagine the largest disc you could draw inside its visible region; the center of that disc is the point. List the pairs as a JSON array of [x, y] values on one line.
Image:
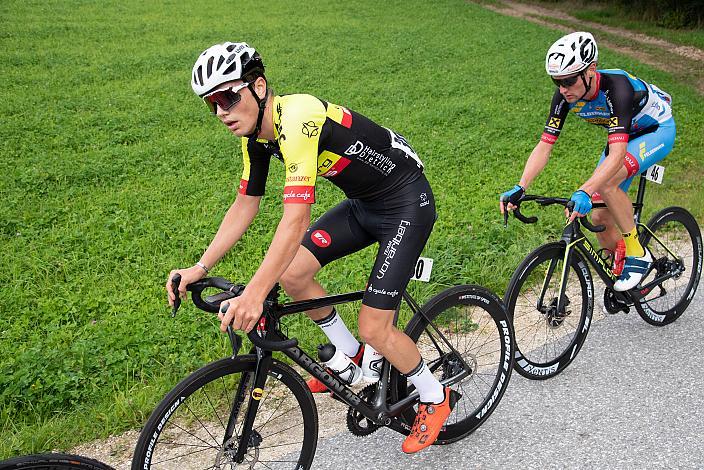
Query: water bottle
[[349, 372], [371, 364], [619, 257]]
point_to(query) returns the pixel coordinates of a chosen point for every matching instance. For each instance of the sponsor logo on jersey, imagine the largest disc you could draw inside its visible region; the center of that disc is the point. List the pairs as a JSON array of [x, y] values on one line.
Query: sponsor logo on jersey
[[423, 200], [548, 138], [278, 125], [305, 194], [310, 129], [554, 122], [613, 121], [599, 120], [366, 154], [331, 164], [293, 167], [301, 178], [321, 238]]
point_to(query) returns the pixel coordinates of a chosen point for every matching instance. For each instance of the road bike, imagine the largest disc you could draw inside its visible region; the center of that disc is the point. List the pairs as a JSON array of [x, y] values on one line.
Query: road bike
[[255, 410], [551, 294]]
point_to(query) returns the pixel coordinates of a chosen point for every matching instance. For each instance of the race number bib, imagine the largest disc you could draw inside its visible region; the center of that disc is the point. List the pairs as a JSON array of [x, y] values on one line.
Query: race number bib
[[655, 173], [423, 268]]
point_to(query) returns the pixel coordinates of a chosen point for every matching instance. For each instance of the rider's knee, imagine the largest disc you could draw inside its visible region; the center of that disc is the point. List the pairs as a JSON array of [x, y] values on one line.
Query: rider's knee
[[601, 216], [372, 333], [294, 282]]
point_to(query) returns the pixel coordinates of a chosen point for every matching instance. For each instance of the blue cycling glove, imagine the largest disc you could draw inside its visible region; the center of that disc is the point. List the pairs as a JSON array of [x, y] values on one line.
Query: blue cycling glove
[[514, 195], [582, 202]]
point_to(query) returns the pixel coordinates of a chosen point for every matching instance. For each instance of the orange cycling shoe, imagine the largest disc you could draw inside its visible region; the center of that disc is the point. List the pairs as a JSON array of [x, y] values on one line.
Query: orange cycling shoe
[[429, 422], [316, 386]]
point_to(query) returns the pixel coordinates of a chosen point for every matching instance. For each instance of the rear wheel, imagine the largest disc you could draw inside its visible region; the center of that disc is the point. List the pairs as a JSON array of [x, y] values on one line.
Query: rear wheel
[[475, 323], [548, 340], [187, 428], [675, 241]]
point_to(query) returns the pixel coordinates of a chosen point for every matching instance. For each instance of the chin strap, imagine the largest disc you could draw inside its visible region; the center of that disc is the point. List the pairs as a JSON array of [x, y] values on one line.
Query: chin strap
[[587, 87], [262, 104]]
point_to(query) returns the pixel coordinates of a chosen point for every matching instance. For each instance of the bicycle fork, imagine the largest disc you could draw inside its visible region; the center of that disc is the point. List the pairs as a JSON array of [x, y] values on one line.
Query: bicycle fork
[[248, 435]]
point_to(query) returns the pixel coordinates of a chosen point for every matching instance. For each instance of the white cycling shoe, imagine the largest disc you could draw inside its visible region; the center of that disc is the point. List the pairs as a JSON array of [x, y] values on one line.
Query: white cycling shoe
[[634, 269]]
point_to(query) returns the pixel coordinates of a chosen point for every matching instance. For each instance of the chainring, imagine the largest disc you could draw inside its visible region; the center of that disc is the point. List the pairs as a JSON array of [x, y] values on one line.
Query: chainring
[[612, 304], [357, 423]]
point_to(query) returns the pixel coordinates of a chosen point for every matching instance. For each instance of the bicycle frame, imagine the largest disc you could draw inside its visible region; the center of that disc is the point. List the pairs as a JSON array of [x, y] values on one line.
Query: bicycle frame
[[573, 238], [380, 412]]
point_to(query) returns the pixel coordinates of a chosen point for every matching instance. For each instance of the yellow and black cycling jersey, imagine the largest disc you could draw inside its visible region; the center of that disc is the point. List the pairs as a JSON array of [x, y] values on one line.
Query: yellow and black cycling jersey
[[316, 138]]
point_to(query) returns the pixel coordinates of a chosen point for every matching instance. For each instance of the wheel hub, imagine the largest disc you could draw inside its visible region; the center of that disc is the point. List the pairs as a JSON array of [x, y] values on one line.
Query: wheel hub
[[554, 318]]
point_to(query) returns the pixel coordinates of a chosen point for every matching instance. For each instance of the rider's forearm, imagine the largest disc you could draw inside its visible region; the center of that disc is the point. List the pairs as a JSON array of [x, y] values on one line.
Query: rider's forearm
[[606, 170], [536, 162], [236, 221], [284, 246]]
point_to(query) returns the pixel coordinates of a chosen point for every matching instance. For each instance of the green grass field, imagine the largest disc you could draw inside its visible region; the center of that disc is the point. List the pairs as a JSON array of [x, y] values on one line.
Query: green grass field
[[113, 173]]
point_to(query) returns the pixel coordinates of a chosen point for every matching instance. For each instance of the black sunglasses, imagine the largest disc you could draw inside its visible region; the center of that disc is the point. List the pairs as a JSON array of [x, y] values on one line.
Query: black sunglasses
[[566, 82], [225, 99]]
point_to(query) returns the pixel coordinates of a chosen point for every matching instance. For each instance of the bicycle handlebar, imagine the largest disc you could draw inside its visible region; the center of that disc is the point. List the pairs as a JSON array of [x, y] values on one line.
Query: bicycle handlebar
[[547, 201], [214, 303]]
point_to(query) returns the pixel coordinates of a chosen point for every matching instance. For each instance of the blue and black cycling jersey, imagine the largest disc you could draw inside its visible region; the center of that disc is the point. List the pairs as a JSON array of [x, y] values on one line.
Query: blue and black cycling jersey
[[625, 105]]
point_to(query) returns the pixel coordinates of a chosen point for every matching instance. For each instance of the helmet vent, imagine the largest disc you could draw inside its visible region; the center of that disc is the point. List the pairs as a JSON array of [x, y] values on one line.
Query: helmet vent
[[220, 61], [230, 69], [210, 67]]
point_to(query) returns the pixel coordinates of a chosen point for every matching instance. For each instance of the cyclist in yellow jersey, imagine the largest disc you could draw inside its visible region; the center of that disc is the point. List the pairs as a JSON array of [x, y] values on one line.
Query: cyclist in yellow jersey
[[390, 202]]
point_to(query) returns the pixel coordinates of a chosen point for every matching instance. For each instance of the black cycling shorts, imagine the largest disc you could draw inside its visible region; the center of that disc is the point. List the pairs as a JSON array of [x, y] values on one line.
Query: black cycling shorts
[[401, 223]]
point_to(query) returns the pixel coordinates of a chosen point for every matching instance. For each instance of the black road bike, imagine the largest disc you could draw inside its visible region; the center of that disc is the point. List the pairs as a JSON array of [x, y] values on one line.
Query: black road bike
[[551, 294], [255, 411]]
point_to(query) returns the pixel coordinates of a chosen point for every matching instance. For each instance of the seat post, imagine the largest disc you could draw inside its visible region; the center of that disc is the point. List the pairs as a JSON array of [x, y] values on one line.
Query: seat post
[[638, 205]]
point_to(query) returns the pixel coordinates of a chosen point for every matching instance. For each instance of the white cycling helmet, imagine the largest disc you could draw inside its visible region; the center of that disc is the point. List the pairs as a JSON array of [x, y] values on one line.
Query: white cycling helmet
[[571, 54], [224, 63]]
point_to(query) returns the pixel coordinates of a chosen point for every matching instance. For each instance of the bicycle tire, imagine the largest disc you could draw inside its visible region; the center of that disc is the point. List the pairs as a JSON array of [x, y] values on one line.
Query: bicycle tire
[[678, 230], [211, 388], [53, 461], [538, 333], [464, 314]]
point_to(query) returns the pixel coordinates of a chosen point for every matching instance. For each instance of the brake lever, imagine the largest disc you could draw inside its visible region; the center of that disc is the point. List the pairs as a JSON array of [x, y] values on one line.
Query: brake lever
[[235, 340], [175, 283], [505, 204]]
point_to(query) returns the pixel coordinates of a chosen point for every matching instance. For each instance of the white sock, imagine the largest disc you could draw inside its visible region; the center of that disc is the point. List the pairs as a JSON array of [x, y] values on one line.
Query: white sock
[[338, 334], [429, 388]]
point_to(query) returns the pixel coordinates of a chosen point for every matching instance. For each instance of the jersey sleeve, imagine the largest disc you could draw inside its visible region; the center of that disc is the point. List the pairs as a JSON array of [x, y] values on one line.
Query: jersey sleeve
[[556, 119], [299, 121], [619, 98], [255, 168]]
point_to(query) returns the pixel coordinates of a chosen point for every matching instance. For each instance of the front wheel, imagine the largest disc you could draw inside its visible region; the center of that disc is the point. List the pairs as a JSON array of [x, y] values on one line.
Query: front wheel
[[675, 242], [187, 429], [547, 340], [475, 323], [53, 462]]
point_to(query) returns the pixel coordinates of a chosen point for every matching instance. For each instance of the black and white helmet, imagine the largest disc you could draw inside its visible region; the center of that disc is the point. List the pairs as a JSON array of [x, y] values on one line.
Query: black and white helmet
[[224, 63], [571, 54]]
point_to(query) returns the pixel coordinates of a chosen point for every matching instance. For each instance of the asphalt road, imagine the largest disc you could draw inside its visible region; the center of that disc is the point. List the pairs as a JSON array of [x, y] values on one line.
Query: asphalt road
[[633, 398]]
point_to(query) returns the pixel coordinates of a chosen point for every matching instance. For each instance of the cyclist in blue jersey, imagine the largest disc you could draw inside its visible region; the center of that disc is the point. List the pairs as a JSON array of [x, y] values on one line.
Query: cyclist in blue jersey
[[641, 132]]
